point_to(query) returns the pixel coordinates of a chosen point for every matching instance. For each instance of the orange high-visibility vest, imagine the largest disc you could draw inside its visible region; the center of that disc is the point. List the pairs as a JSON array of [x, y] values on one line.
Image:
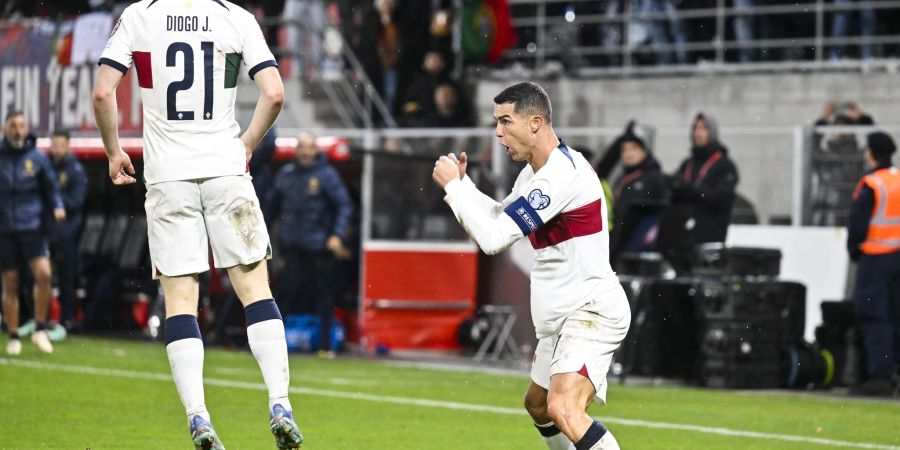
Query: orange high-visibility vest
[[884, 226]]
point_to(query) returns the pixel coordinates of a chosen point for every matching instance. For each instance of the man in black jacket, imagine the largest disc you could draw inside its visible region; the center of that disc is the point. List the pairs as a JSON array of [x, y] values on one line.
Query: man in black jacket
[[73, 186], [705, 183], [639, 195], [27, 189], [703, 192]]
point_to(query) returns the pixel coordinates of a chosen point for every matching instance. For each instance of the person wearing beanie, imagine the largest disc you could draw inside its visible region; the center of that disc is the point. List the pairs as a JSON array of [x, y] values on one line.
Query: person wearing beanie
[[873, 240], [639, 195]]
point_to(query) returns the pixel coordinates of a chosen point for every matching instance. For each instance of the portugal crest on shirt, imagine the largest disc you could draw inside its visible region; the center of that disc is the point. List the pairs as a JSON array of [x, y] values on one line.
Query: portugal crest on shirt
[[537, 200], [29, 168]]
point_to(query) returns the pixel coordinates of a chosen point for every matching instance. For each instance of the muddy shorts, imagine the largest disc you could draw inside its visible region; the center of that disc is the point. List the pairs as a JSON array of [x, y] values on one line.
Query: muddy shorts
[[187, 218]]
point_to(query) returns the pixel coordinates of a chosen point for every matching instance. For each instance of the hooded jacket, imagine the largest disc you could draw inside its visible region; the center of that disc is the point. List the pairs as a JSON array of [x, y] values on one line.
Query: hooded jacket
[[28, 187], [312, 204], [704, 186], [639, 195]]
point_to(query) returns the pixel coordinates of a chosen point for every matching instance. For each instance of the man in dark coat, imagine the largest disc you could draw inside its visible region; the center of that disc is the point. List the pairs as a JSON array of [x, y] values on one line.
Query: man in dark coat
[[313, 207], [705, 183], [27, 189], [703, 193], [639, 195], [73, 186]]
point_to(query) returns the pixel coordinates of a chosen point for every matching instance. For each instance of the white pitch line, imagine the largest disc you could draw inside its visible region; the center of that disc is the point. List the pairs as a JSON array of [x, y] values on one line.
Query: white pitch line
[[443, 404]]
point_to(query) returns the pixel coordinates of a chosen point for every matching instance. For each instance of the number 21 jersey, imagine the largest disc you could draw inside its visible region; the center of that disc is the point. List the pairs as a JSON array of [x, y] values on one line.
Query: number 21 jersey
[[186, 55]]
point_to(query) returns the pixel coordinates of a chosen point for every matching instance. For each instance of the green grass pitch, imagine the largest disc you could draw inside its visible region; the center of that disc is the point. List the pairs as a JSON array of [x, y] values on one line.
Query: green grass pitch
[[109, 394]]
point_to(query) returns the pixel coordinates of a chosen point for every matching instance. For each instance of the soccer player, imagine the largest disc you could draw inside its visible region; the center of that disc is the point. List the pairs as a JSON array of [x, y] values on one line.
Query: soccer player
[[186, 56], [580, 311]]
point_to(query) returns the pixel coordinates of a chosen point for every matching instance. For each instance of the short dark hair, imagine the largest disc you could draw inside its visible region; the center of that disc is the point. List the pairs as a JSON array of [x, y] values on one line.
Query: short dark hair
[[62, 134], [13, 114], [528, 97]]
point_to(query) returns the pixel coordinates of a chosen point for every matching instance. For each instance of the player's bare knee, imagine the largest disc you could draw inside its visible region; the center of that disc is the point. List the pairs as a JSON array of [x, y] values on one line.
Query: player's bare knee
[[560, 410], [250, 282], [536, 407]]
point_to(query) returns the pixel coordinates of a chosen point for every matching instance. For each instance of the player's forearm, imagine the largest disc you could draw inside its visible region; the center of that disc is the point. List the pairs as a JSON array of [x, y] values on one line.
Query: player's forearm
[[492, 233], [485, 201], [271, 99], [105, 114]]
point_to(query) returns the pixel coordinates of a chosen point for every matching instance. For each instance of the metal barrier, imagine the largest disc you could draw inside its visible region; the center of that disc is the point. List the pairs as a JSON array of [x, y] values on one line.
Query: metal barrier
[[544, 37], [792, 175], [833, 165], [344, 82]]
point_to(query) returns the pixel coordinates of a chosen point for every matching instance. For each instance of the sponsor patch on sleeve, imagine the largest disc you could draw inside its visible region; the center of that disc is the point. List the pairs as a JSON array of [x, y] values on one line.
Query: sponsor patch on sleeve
[[524, 215]]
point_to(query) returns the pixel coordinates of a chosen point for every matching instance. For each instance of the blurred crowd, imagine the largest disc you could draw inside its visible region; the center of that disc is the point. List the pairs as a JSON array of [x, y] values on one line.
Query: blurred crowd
[[666, 37], [403, 46]]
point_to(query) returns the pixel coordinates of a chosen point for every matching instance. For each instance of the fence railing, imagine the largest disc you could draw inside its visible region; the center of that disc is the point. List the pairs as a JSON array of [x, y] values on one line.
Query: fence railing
[[792, 175], [344, 81], [631, 30]]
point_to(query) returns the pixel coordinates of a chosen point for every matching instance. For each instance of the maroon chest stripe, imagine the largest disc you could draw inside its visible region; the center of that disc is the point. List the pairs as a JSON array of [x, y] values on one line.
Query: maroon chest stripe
[[582, 221]]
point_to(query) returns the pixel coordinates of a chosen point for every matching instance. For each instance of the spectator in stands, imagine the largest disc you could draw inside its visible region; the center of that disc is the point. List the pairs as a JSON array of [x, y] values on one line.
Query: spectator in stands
[[313, 207], [706, 181], [303, 30], [655, 30], [73, 184], [639, 196], [745, 29], [388, 46], [873, 239], [413, 19], [703, 191], [27, 189], [362, 36], [848, 113], [417, 100], [841, 143], [449, 111], [840, 28]]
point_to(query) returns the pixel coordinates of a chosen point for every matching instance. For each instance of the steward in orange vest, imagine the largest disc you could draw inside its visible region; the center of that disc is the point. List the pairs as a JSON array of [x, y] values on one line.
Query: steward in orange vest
[[873, 239]]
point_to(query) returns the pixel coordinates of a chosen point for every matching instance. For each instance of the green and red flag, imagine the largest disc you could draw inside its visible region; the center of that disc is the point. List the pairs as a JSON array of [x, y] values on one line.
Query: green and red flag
[[486, 30]]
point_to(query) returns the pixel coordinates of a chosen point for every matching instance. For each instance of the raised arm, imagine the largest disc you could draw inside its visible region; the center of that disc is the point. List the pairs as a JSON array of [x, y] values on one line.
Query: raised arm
[[496, 232], [485, 201]]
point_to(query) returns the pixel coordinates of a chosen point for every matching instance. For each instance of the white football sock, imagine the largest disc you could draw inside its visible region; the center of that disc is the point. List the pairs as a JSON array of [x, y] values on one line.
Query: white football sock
[[559, 441], [186, 361], [607, 442], [267, 343]]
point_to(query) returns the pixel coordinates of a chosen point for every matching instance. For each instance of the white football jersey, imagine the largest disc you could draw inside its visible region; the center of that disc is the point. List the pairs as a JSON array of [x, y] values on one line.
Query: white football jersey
[[562, 211], [187, 56]]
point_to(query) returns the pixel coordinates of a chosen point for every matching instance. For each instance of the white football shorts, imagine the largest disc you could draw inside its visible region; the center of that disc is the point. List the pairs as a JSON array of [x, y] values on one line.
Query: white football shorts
[[186, 218], [586, 342]]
